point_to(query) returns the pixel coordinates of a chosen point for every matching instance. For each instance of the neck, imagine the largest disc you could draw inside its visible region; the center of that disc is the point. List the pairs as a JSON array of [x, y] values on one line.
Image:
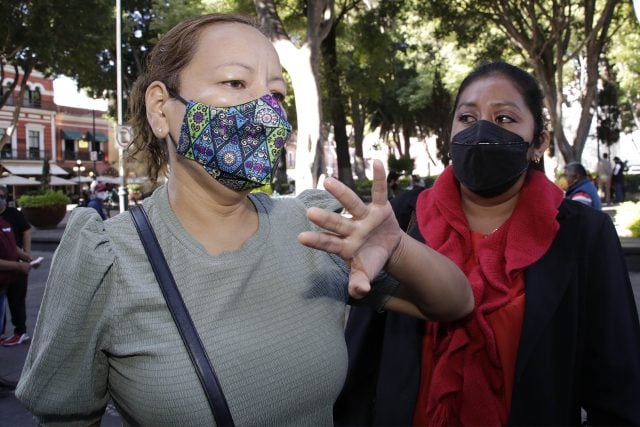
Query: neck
[[206, 208], [486, 215]]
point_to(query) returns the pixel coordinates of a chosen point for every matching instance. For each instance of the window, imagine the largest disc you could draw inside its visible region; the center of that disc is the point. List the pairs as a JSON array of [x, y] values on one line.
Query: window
[[5, 153], [33, 144], [7, 88]]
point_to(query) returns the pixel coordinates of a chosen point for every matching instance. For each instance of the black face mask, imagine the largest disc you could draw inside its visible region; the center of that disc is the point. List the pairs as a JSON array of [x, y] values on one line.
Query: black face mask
[[488, 159]]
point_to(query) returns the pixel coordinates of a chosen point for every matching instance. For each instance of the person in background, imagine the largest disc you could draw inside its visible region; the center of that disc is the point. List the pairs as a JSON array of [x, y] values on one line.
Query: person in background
[[10, 267], [96, 201], [555, 328], [580, 187], [617, 180], [604, 171], [265, 280], [392, 184], [17, 293]]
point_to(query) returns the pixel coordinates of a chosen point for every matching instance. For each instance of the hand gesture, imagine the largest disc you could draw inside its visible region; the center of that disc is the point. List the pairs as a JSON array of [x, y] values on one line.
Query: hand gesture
[[366, 240]]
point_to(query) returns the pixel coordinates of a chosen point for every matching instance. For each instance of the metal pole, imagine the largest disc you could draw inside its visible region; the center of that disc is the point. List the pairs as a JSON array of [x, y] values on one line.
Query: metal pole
[[93, 143], [121, 191]]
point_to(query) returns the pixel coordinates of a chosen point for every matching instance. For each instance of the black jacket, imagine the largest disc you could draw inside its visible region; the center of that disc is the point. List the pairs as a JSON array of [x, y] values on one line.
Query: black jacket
[[579, 347]]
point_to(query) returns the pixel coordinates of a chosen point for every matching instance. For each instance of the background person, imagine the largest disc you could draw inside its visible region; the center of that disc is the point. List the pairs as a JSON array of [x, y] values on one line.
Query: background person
[[580, 187], [269, 310], [555, 328], [617, 180], [605, 170], [96, 201], [17, 293], [10, 267]]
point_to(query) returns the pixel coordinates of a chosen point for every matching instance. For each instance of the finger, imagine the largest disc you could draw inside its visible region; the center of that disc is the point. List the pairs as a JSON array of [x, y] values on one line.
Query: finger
[[347, 198], [359, 284], [323, 241], [330, 221], [379, 195]]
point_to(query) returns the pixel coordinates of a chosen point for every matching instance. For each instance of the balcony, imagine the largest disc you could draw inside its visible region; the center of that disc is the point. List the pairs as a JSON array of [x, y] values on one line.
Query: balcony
[[82, 155]]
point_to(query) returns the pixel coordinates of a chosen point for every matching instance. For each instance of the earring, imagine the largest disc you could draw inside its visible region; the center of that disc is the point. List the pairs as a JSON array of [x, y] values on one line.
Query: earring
[[159, 130], [536, 159]]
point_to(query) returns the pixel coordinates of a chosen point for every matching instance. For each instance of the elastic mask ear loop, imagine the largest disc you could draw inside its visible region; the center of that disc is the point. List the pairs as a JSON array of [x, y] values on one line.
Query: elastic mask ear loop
[[176, 96]]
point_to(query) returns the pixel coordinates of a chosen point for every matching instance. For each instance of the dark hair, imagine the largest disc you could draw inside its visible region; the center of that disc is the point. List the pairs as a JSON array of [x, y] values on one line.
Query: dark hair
[[576, 168], [524, 82], [173, 52]]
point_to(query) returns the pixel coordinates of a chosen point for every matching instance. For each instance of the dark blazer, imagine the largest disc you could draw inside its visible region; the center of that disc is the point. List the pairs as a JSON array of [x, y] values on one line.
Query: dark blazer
[[579, 347]]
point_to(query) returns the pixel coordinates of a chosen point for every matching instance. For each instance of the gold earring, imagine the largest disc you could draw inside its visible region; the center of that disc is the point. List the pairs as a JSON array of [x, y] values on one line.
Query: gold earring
[[536, 160]]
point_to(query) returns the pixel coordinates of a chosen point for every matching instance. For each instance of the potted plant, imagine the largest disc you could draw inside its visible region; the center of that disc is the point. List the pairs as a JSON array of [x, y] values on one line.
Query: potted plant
[[44, 209]]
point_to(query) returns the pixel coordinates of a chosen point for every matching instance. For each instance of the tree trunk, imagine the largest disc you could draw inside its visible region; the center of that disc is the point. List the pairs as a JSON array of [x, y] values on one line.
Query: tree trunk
[[338, 117], [6, 138], [302, 64], [358, 138]]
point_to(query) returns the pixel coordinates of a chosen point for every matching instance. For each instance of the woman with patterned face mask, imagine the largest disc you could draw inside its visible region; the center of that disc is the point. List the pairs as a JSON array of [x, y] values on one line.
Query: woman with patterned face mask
[[266, 289], [555, 328]]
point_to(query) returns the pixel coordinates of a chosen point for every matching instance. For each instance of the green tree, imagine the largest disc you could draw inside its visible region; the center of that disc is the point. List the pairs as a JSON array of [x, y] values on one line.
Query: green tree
[[43, 35], [561, 40], [608, 129], [300, 57]]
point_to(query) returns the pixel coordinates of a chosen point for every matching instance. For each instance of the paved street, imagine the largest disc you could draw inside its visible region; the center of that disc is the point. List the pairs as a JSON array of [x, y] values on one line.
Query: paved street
[[11, 359]]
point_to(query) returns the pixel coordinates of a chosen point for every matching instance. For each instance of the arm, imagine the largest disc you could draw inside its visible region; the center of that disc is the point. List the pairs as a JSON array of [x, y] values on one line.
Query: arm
[[23, 267], [431, 285], [26, 244]]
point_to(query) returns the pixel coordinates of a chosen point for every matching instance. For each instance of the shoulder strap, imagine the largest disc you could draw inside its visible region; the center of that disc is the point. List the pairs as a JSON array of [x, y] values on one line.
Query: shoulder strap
[[190, 337]]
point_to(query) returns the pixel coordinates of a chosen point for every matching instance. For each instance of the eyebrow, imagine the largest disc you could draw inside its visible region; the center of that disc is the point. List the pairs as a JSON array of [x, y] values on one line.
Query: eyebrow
[[493, 104]]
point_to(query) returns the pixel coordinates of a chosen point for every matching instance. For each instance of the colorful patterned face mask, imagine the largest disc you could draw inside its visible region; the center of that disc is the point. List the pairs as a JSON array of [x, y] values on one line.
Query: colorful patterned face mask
[[239, 146]]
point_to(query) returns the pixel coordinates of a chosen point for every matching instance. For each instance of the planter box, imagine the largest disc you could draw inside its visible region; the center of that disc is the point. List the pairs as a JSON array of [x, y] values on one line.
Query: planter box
[[45, 217]]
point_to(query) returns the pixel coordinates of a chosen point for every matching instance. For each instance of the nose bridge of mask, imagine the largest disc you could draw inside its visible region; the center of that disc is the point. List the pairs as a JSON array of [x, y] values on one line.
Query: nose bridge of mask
[[485, 132]]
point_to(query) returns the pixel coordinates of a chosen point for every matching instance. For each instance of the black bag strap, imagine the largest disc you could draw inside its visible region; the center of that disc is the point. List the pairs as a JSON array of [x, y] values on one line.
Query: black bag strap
[[190, 337]]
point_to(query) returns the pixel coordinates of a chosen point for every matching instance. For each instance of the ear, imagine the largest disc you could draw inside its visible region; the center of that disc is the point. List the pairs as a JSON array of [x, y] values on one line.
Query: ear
[[545, 140], [155, 98]]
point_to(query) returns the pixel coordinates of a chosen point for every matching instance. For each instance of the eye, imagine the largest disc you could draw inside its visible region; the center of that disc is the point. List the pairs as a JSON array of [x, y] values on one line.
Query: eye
[[235, 84], [503, 119], [466, 118]]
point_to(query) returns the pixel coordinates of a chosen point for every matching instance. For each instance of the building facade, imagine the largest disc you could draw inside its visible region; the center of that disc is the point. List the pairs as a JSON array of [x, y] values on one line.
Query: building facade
[[76, 141]]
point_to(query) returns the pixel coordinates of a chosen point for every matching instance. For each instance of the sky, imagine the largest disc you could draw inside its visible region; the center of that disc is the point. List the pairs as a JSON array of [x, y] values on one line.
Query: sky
[[66, 93]]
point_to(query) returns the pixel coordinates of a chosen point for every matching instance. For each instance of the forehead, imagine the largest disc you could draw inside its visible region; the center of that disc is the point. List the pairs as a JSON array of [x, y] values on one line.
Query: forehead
[[494, 89], [229, 42]]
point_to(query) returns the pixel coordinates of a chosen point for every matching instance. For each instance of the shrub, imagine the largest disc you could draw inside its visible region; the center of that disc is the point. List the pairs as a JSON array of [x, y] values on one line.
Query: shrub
[[39, 200], [634, 228]]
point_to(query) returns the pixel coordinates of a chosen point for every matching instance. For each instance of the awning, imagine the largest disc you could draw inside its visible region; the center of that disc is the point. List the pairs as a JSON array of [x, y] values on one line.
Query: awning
[[31, 168], [100, 137], [57, 181], [17, 180], [70, 134]]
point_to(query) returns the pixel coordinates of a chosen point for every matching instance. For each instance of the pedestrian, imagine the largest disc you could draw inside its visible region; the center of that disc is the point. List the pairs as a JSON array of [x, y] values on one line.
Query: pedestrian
[[580, 187], [393, 185], [617, 180], [554, 330], [97, 198], [265, 286], [605, 170], [10, 267], [17, 293]]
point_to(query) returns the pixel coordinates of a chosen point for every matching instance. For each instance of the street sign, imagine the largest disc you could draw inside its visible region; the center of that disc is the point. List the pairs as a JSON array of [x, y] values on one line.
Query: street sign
[[123, 135]]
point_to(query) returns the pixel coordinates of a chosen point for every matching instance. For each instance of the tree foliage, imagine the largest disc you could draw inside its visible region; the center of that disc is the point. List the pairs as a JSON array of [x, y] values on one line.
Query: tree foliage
[[559, 39]]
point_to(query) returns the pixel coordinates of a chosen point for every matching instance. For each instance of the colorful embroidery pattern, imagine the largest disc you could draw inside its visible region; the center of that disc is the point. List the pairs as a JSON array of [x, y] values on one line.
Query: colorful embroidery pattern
[[240, 146]]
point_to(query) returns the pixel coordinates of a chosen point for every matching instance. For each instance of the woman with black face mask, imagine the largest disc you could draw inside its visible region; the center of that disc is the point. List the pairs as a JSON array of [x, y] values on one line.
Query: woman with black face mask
[[554, 329]]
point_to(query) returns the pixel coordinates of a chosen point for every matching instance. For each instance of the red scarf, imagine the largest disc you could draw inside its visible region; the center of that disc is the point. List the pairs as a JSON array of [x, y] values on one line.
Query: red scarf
[[467, 379]]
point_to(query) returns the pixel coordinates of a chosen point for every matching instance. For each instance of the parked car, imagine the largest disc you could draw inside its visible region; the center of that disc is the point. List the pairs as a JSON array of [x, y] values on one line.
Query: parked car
[[633, 169]]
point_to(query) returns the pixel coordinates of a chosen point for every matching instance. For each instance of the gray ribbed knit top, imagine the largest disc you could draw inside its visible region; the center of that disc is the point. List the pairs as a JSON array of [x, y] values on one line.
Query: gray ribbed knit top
[[270, 316]]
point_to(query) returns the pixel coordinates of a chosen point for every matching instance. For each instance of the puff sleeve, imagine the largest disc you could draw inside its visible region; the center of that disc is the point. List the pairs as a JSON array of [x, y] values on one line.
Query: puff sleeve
[[64, 379]]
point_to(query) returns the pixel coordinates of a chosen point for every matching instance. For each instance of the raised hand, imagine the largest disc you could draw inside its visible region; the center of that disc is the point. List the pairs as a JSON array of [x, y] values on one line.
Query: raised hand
[[365, 240]]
